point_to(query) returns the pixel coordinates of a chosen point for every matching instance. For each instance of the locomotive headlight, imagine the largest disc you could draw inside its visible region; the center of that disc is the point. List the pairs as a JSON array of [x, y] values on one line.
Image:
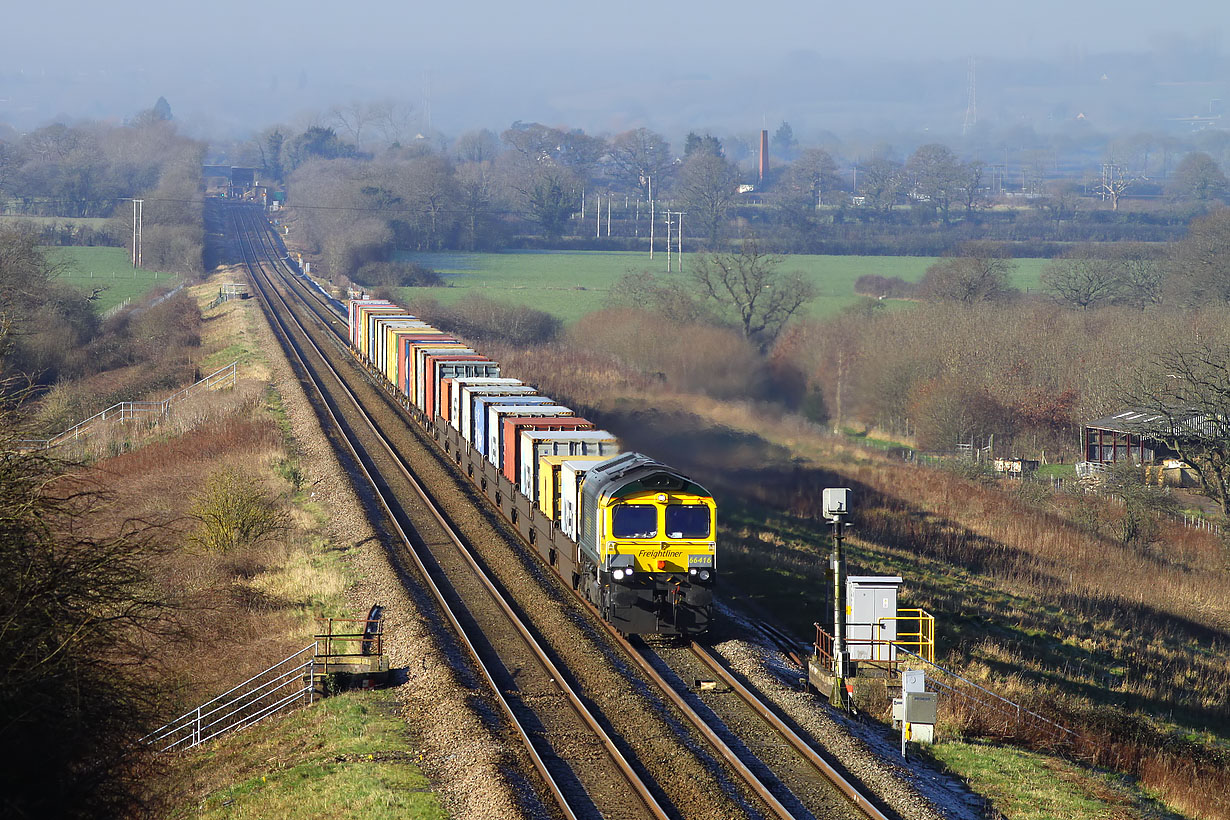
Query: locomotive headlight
[[692, 571], [619, 574], [703, 575]]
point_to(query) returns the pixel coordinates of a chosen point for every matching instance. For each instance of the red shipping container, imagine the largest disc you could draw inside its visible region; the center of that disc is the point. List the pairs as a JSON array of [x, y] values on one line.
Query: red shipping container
[[513, 427]]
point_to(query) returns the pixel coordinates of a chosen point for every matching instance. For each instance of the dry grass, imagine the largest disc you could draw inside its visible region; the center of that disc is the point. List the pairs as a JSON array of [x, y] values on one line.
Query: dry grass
[[253, 605], [1127, 643]]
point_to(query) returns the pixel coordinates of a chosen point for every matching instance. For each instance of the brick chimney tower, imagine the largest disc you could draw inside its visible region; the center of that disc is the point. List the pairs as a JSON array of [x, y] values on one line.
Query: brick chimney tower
[[764, 154]]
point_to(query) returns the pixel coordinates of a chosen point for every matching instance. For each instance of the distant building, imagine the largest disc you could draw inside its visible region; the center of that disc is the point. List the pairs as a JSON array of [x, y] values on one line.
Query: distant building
[[1137, 436]]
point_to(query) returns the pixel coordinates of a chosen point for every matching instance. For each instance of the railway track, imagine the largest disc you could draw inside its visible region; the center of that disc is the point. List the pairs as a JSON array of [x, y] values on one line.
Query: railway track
[[601, 719]]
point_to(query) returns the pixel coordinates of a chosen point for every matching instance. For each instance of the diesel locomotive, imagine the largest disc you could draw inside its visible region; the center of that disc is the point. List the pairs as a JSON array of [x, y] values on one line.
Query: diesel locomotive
[[633, 536]]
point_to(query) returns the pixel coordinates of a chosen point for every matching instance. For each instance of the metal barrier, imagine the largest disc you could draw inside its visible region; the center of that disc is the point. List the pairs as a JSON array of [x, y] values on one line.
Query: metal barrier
[[369, 637], [228, 291], [991, 701], [996, 702], [279, 687], [130, 410], [883, 650]]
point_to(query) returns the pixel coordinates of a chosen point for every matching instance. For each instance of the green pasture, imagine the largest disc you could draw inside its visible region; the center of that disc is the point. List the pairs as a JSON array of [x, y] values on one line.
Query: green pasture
[[111, 269], [569, 284]]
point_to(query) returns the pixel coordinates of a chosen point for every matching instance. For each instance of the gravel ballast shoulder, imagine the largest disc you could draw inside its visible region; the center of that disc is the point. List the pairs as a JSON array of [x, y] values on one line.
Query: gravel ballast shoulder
[[471, 767]]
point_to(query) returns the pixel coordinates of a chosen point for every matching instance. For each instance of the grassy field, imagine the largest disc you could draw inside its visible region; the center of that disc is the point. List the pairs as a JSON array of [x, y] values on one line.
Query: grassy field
[[110, 269], [569, 284], [346, 756]]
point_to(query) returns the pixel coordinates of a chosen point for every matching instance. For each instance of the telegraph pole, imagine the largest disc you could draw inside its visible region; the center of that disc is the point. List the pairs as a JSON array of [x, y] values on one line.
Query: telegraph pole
[[651, 216], [138, 216], [668, 241]]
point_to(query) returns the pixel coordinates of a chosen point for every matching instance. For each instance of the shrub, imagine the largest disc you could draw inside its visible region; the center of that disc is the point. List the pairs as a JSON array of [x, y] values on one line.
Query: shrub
[[396, 275], [234, 512]]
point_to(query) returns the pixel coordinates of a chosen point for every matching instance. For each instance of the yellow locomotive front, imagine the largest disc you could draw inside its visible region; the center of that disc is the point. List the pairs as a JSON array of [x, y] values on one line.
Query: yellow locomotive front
[[648, 546]]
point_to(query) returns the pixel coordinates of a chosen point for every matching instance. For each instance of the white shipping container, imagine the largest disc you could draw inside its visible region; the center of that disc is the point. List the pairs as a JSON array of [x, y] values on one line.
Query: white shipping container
[[538, 443], [454, 412], [495, 424], [571, 474]]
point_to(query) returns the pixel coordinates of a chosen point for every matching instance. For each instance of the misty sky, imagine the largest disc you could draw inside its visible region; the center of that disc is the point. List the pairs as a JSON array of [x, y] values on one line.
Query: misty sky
[[602, 66]]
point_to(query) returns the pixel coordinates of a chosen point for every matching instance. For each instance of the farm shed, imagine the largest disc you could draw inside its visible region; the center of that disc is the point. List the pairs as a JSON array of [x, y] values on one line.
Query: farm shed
[[1139, 435], [1129, 435]]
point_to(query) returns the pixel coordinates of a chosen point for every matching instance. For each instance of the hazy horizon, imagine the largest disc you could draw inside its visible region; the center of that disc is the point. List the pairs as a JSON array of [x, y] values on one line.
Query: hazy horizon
[[230, 69]]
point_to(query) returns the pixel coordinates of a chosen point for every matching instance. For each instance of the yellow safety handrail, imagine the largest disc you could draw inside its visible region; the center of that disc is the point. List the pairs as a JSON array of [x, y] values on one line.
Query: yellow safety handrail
[[923, 640]]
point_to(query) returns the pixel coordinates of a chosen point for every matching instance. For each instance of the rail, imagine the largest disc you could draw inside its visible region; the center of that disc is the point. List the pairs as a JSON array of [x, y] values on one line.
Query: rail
[[130, 410], [281, 686]]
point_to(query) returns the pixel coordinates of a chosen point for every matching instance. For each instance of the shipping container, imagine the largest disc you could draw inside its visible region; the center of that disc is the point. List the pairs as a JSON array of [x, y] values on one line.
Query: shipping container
[[411, 360], [547, 496], [367, 319], [496, 413], [419, 397], [571, 477], [536, 444], [479, 412], [470, 395], [353, 320], [512, 427], [386, 327], [454, 396], [404, 349], [448, 367], [396, 339]]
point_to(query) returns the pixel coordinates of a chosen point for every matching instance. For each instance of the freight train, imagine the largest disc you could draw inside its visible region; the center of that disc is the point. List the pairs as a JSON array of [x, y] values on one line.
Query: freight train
[[634, 537]]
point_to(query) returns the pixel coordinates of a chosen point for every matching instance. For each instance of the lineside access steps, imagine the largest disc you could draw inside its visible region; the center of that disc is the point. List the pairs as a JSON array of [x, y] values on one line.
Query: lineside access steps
[[350, 652], [324, 667], [223, 377]]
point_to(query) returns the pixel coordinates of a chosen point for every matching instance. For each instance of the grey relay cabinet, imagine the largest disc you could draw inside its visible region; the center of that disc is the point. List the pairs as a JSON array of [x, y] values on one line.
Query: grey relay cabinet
[[871, 602]]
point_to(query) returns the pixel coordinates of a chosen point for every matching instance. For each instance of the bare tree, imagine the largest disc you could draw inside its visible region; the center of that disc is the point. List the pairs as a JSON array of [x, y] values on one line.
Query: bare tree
[[881, 182], [969, 183], [1082, 280], [353, 118], [476, 191], [749, 284], [1188, 389], [639, 155], [1116, 180], [812, 175], [1198, 177], [1199, 265], [477, 146], [935, 176], [394, 121], [80, 616], [707, 185], [1141, 275], [980, 274]]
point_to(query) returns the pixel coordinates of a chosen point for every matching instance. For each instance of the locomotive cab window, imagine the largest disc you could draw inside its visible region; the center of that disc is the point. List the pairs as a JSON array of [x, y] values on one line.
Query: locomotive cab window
[[687, 521], [634, 521]]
